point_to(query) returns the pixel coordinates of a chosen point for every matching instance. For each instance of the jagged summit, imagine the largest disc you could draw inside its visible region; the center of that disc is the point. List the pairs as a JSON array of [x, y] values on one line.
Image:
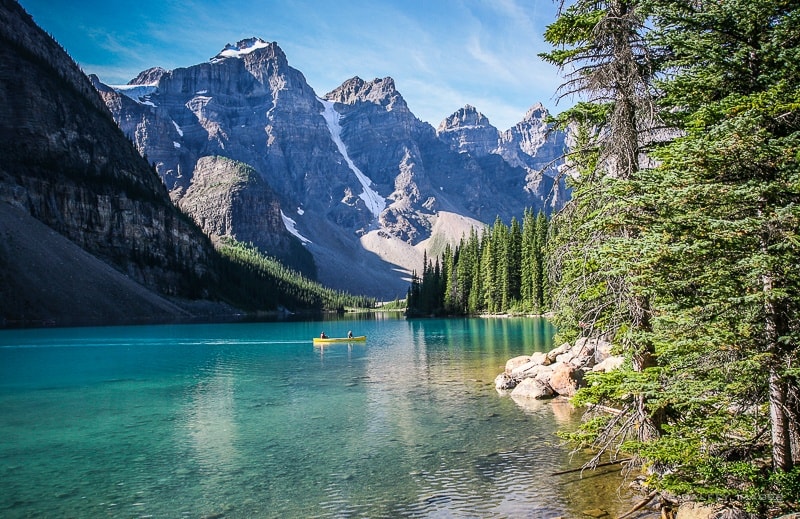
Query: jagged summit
[[536, 112], [467, 117], [148, 77], [244, 47], [378, 91], [469, 131]]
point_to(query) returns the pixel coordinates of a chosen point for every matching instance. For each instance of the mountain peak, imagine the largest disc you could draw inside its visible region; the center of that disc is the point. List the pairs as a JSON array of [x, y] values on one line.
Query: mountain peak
[[244, 47], [467, 117], [536, 112], [148, 77], [380, 91], [469, 131]]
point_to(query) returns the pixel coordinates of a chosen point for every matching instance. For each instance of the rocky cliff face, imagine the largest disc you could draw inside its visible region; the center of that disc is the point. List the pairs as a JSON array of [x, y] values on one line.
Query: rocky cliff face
[[67, 164], [230, 199], [359, 179], [469, 131], [534, 145]]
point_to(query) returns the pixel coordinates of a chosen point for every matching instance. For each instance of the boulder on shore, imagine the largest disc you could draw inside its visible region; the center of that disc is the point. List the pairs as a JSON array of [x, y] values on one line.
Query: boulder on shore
[[691, 510], [512, 364], [504, 381], [566, 379], [609, 364], [559, 372], [533, 388]]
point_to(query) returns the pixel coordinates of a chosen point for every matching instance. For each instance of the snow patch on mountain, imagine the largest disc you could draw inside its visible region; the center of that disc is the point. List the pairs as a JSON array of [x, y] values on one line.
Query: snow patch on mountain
[[240, 49], [139, 93], [178, 128], [291, 226], [374, 201]]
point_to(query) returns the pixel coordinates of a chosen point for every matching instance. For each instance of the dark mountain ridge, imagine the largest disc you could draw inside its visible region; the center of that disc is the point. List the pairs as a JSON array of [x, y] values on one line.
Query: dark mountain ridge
[[67, 165]]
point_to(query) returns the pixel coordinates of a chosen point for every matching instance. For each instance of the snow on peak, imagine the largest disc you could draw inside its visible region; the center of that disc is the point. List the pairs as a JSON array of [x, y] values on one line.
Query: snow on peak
[[240, 49]]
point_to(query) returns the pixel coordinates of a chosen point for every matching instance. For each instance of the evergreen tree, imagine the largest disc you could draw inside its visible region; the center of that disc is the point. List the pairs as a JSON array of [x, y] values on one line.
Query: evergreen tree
[[603, 43], [476, 302], [450, 300], [488, 273], [463, 276], [541, 286], [483, 273], [514, 258], [501, 266], [471, 271], [528, 273]]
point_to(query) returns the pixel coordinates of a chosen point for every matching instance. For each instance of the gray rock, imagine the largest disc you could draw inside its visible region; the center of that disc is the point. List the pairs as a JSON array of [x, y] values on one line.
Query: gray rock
[[609, 364], [532, 388], [554, 353], [540, 358], [504, 381], [469, 131], [602, 350], [690, 510], [230, 199], [70, 168], [512, 364], [539, 371]]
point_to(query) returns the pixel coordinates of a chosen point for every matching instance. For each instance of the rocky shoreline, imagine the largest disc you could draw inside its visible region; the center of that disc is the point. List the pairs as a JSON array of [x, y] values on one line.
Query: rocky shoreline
[[559, 372]]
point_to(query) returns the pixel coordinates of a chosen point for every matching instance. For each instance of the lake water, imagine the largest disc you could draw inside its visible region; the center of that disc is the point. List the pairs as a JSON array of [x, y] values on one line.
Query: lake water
[[253, 420]]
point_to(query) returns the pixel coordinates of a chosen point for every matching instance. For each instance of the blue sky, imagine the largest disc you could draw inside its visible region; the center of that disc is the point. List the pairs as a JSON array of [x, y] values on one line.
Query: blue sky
[[443, 54]]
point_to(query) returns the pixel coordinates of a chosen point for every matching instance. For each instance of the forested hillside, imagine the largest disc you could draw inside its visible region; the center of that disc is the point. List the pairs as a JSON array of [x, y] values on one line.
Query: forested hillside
[[501, 270]]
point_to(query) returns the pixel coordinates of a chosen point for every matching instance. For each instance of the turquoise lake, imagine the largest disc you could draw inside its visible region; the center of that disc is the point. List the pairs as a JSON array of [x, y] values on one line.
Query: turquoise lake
[[252, 420]]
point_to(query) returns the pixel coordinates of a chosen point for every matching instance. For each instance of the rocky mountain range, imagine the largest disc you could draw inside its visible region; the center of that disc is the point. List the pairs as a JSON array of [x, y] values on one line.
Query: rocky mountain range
[[351, 178]]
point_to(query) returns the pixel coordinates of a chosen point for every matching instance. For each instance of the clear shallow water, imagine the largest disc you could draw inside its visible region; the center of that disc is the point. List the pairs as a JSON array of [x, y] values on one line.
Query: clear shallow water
[[252, 420]]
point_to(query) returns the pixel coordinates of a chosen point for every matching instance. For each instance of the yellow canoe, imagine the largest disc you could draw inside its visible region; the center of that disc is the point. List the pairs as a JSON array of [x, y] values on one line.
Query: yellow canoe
[[359, 338]]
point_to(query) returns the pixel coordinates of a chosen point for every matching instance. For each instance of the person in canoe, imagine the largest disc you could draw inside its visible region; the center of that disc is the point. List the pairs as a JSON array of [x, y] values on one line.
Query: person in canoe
[[349, 334], [323, 336]]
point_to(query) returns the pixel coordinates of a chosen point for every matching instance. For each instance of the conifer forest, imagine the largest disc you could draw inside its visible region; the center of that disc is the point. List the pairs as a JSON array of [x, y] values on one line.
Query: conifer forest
[[680, 244]]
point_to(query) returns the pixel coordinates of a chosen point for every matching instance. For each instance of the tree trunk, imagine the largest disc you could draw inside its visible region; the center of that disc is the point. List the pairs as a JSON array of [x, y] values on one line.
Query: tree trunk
[[793, 415], [779, 421], [649, 424], [778, 389]]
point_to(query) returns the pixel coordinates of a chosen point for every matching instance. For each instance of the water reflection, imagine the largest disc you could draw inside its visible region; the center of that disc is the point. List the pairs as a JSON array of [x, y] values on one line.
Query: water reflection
[[211, 421], [251, 420]]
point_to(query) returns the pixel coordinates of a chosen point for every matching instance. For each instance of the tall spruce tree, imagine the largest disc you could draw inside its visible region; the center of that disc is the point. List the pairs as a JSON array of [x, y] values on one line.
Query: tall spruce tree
[[602, 45], [541, 286], [514, 255], [528, 268]]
